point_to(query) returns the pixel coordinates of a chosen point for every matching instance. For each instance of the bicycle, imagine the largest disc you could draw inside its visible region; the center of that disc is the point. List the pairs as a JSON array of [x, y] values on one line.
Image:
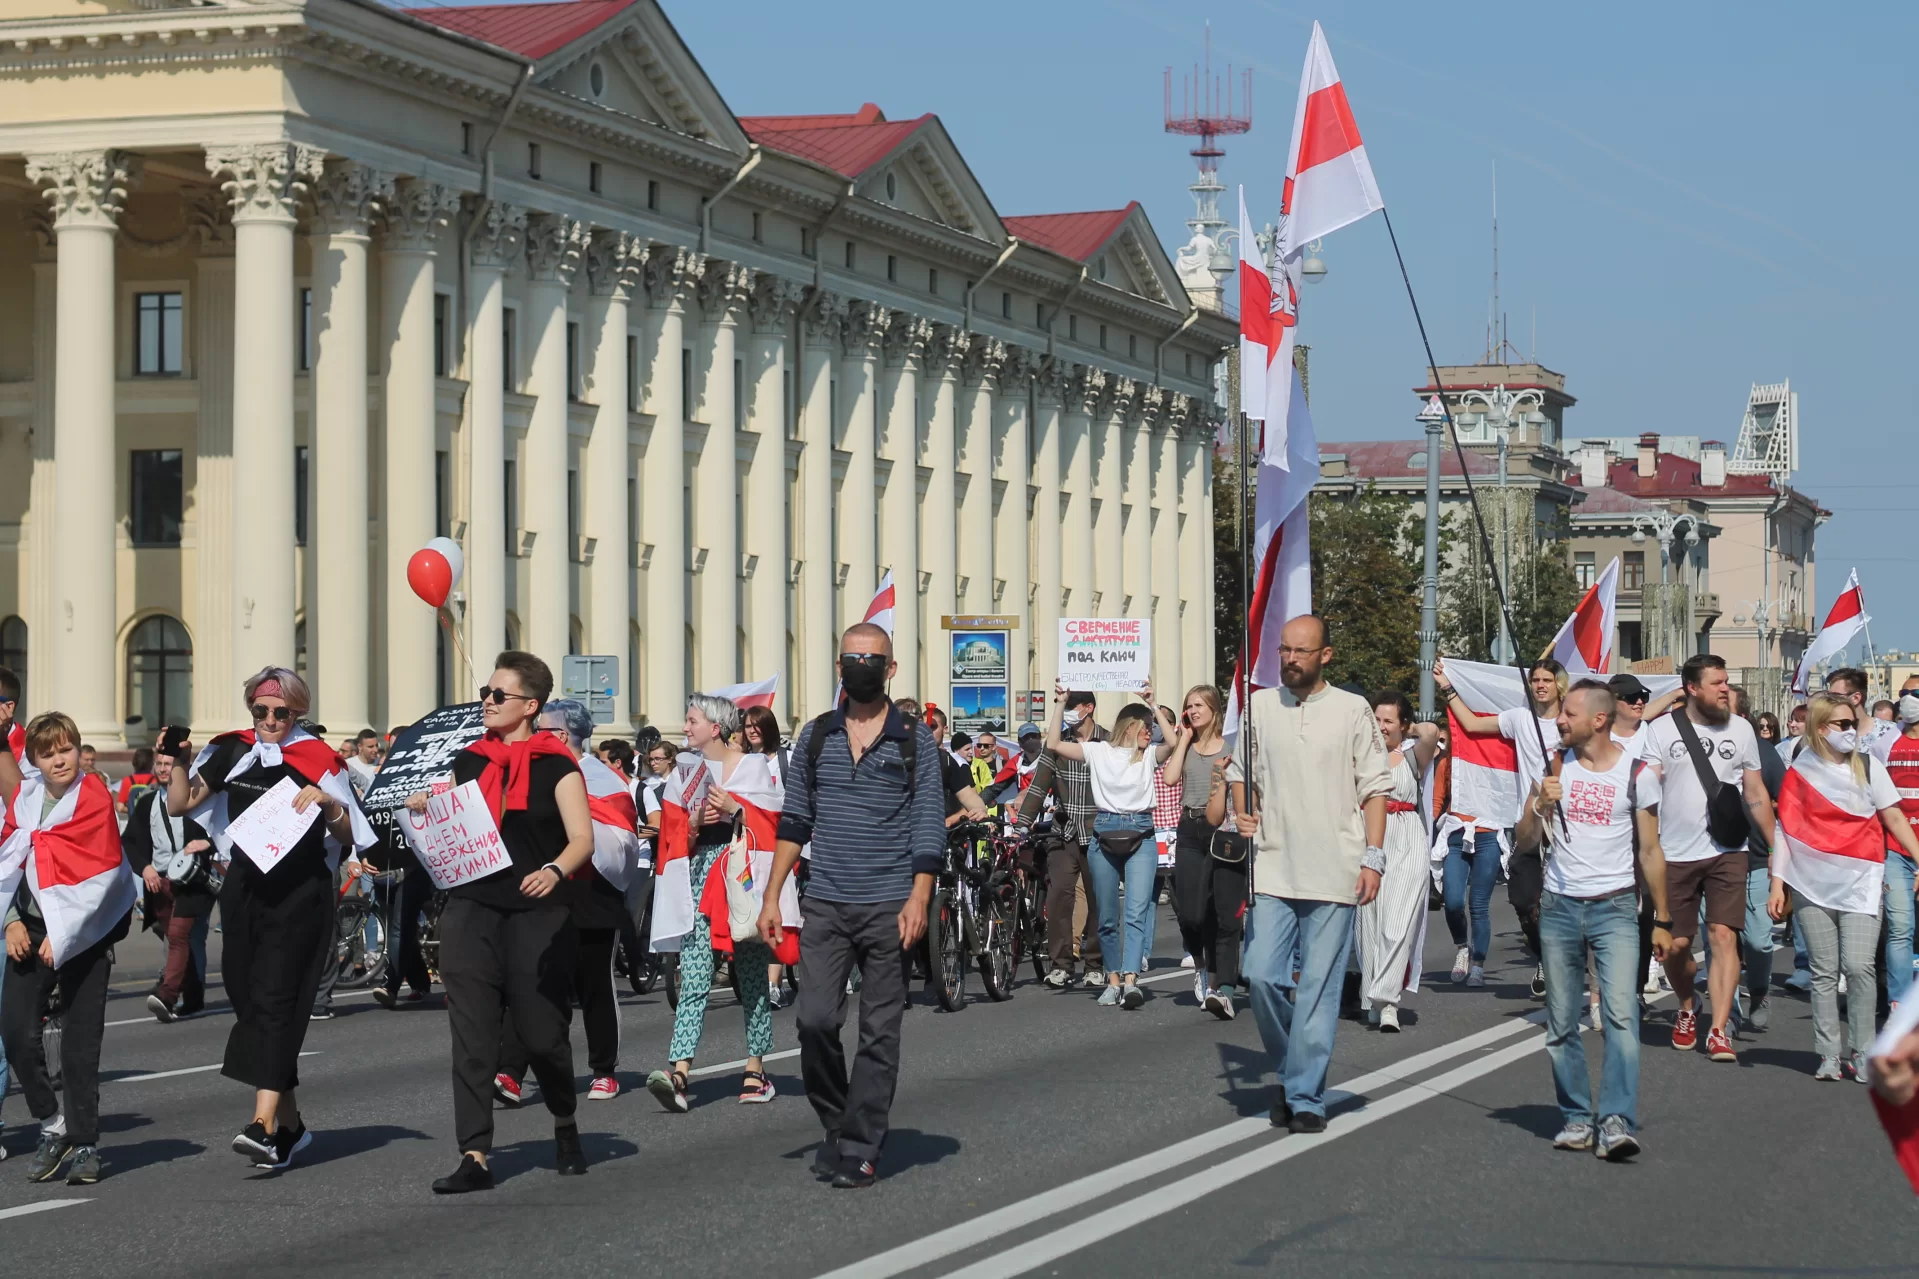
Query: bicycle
[[1029, 926], [972, 916], [360, 931]]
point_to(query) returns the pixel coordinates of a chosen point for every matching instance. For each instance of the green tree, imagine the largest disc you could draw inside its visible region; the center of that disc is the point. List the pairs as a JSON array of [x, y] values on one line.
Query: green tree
[[1366, 584], [1542, 592]]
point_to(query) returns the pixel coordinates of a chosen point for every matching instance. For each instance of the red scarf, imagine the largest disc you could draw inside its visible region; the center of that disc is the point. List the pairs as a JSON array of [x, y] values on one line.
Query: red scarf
[[310, 757], [509, 768]]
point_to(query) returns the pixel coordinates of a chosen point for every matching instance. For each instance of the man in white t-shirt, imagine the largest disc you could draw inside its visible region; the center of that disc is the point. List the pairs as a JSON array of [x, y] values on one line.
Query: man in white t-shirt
[[364, 762], [1697, 866], [1588, 812]]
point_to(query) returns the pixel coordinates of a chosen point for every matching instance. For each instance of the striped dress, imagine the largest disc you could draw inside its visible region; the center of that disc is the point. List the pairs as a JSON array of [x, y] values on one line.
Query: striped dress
[[1392, 928]]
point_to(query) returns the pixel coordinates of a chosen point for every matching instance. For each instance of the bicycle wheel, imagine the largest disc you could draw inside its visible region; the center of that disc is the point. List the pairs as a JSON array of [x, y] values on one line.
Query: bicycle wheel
[[998, 938], [672, 965], [946, 951], [1032, 925], [359, 952]]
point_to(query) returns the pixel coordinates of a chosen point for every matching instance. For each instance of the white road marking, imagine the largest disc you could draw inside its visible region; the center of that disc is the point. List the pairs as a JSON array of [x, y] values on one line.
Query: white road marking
[[725, 1066], [25, 1210], [175, 1074], [1049, 1203]]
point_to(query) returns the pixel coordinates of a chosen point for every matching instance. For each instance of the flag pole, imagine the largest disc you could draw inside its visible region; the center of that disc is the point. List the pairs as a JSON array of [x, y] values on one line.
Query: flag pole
[[1243, 669]]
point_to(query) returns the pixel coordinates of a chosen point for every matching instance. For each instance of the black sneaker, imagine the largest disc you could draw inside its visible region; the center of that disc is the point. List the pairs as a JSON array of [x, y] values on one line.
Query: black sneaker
[[1281, 1113], [255, 1142], [287, 1143], [568, 1157], [47, 1159], [855, 1175], [826, 1158], [85, 1169], [1307, 1122], [1132, 998], [470, 1175]]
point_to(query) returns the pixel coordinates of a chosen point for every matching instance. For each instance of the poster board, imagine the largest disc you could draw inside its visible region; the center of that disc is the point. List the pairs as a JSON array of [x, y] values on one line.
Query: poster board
[[1105, 654], [423, 754]]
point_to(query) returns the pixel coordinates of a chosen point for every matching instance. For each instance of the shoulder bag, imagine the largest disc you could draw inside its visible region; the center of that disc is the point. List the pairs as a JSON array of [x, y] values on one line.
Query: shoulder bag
[[1726, 818]]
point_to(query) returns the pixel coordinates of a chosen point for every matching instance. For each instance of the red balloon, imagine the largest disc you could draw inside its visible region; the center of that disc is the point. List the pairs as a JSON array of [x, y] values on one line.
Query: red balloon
[[430, 576]]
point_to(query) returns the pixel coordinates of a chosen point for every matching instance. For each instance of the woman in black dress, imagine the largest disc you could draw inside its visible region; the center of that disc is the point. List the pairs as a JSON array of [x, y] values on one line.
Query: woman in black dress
[[277, 924]]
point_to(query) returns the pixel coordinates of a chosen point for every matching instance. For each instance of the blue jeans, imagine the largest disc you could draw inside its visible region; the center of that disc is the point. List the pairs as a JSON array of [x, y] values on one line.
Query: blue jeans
[[1899, 879], [1137, 869], [1610, 926], [1480, 869], [1756, 938], [1297, 1032]]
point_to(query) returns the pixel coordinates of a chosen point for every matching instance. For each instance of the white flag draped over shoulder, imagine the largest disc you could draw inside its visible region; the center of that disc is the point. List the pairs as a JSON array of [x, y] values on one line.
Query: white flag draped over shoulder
[[71, 862], [1830, 845]]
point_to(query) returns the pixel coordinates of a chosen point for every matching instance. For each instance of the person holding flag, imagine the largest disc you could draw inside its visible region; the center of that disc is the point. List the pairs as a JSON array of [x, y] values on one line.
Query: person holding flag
[[1838, 808], [71, 894]]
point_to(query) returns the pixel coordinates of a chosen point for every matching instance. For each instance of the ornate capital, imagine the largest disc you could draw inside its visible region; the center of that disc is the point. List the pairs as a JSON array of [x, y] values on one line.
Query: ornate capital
[[1125, 397], [906, 338], [672, 274], [265, 181], [1051, 381], [500, 237], [1179, 410], [415, 214], [84, 188], [1152, 405], [1087, 389], [613, 263], [347, 196], [827, 319], [1021, 368], [865, 330], [985, 357], [775, 300], [210, 215], [724, 289], [946, 352], [554, 245]]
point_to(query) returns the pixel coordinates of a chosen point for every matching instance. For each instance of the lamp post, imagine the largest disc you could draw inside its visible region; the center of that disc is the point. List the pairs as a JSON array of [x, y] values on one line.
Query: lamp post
[[1765, 616], [1433, 418], [1502, 411], [1663, 525]]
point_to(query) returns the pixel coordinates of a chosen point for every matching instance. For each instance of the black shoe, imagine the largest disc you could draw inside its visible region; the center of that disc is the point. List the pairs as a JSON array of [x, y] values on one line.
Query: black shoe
[[1281, 1113], [287, 1143], [567, 1155], [47, 1159], [826, 1158], [470, 1175], [1307, 1122], [255, 1142], [321, 1014], [85, 1169], [386, 998], [855, 1175]]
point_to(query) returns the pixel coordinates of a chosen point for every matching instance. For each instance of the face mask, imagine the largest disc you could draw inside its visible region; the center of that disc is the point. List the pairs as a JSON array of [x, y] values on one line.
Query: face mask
[[863, 683], [1072, 719], [1909, 708], [1845, 741]]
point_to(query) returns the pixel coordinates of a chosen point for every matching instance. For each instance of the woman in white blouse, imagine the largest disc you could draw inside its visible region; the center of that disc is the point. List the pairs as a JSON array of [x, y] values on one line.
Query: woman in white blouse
[[1121, 769]]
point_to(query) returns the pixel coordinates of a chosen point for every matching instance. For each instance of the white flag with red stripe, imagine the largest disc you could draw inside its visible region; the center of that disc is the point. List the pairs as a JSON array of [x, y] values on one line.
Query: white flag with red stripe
[[760, 796], [616, 822], [1830, 845], [752, 693], [1329, 180], [1268, 316], [880, 611], [1584, 644], [1282, 541], [1485, 769], [71, 862], [1846, 619]]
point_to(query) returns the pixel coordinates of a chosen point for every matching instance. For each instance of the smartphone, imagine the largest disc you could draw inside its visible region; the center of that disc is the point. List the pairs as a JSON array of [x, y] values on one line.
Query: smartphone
[[174, 740]]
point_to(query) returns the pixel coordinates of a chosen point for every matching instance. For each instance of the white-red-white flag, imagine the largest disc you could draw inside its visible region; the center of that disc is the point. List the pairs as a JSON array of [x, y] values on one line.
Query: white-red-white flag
[[1268, 316], [616, 822], [1282, 541], [1830, 845], [761, 796], [752, 693], [880, 611], [1846, 619], [1584, 643], [1329, 180], [70, 858]]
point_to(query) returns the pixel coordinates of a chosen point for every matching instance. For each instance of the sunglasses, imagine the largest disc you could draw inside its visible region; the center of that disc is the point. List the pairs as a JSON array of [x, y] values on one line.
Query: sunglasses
[[1842, 723], [498, 696], [863, 659], [278, 714], [1640, 700]]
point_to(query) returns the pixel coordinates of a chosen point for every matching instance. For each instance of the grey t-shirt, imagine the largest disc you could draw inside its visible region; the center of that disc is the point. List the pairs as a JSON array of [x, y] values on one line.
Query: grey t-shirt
[[1196, 777]]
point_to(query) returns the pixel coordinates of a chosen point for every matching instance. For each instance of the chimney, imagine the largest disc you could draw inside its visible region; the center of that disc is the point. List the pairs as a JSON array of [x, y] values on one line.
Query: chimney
[[1648, 456], [1712, 465], [1592, 466]]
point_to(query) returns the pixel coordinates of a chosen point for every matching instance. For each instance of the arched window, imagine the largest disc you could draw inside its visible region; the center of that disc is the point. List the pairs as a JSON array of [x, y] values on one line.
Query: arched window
[[160, 673]]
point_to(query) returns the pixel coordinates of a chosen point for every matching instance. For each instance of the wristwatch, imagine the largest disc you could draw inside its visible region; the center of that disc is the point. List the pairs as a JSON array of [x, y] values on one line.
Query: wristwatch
[[1662, 923]]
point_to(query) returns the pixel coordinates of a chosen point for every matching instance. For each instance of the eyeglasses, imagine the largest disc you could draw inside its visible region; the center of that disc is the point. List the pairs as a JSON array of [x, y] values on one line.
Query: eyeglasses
[[1842, 723], [1639, 700], [863, 659], [278, 714], [498, 696], [1284, 651]]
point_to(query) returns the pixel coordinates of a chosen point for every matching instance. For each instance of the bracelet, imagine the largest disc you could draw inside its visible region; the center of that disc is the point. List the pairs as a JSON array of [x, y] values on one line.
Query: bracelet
[[1662, 923], [557, 872]]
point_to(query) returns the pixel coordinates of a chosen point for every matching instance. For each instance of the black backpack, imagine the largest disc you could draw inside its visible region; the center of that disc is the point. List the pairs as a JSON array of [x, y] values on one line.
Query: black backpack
[[816, 745]]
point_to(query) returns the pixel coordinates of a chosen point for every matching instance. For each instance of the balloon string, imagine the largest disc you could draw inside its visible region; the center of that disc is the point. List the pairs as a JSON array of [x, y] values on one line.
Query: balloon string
[[446, 620]]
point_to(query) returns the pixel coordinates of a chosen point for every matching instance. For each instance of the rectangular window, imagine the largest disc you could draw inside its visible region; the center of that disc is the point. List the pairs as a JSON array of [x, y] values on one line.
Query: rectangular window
[[739, 394], [806, 243], [509, 355], [1632, 571], [302, 479], [533, 160], [511, 478], [573, 360], [441, 305], [1189, 364], [1006, 305], [653, 195], [158, 492], [756, 226], [933, 280], [1072, 328], [572, 515], [593, 176], [442, 493], [686, 384], [1584, 568], [306, 330], [892, 268], [851, 255], [1102, 337], [632, 512], [1132, 346], [466, 137], [632, 374], [157, 331]]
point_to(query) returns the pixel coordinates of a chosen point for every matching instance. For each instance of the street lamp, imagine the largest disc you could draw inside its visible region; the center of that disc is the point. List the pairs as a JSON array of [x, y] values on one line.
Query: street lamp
[[1433, 419], [1664, 525], [1500, 411], [1314, 267]]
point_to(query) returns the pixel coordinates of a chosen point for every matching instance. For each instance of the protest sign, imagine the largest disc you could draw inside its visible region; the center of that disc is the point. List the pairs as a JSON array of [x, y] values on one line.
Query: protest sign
[[423, 754], [1105, 654], [455, 839], [270, 828]]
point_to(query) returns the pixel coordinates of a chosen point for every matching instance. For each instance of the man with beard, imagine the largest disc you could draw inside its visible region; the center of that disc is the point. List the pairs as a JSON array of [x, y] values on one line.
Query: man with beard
[[1318, 814]]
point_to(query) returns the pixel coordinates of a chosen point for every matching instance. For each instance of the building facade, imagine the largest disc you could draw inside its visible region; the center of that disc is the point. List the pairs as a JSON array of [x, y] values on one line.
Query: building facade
[[301, 284]]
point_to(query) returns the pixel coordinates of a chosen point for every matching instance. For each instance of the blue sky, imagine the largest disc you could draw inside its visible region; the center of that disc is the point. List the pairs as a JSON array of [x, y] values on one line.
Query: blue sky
[[1694, 197]]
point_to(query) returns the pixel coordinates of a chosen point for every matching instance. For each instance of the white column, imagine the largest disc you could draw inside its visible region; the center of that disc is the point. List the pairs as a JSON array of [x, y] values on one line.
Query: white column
[[939, 513], [1195, 544], [216, 688], [906, 339], [1084, 394], [1136, 434], [817, 628], [553, 245], [1169, 647], [41, 517], [984, 358], [724, 289], [671, 274], [1048, 522], [338, 666], [1109, 466], [613, 261], [864, 333], [414, 218], [1012, 528], [773, 305], [87, 191], [498, 242], [264, 182]]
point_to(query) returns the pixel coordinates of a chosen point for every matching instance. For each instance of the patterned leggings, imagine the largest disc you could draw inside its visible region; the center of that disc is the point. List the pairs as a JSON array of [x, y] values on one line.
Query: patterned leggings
[[750, 959]]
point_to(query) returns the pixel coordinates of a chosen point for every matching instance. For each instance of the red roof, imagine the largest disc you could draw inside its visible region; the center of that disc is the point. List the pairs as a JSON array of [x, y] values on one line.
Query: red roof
[[1071, 235], [1395, 459], [847, 144], [1676, 476], [530, 30]]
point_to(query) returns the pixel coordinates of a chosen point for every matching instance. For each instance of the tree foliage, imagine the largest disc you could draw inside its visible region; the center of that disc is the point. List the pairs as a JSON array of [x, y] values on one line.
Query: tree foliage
[[1542, 593], [1366, 584]]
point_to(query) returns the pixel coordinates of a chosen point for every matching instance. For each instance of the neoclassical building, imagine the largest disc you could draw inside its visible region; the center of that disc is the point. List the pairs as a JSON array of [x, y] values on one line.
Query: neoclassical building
[[292, 287]]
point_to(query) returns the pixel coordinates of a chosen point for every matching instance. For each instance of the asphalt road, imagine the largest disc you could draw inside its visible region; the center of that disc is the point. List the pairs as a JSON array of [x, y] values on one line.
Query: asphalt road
[[1041, 1135]]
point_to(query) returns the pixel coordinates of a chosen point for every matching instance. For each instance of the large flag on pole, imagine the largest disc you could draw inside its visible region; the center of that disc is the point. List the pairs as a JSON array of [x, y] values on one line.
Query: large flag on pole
[[1329, 180], [1846, 619], [880, 611], [1282, 541], [1584, 643], [1268, 315], [758, 692]]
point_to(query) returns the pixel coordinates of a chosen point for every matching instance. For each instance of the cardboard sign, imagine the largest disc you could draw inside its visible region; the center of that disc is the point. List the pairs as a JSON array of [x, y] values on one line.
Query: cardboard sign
[[423, 754], [1105, 654], [269, 829], [455, 839]]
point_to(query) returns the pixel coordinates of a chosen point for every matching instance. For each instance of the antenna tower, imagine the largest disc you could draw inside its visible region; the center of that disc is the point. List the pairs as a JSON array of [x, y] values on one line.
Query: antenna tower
[[1769, 433], [1208, 112]]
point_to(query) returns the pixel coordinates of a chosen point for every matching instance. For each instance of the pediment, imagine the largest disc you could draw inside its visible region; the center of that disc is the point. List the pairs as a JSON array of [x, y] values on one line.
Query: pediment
[[637, 66], [930, 180], [1135, 262]]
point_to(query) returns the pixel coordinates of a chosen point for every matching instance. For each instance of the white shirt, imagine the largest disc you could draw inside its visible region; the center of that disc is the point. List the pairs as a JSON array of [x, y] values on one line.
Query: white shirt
[[1121, 784], [1732, 747], [1634, 746], [360, 773], [1878, 739], [1593, 856], [1516, 726]]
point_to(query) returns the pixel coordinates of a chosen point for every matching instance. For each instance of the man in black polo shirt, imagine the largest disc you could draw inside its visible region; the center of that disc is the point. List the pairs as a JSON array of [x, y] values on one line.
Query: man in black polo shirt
[[869, 796]]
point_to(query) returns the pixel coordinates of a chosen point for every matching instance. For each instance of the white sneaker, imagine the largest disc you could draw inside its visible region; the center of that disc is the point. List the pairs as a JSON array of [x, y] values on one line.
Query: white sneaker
[[1389, 1020], [1186, 961], [1653, 973], [1462, 963], [1094, 979], [1476, 976], [1059, 979]]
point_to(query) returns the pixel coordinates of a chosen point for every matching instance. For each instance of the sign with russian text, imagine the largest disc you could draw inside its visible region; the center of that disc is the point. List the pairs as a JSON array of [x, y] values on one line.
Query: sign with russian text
[[423, 754], [979, 657], [1105, 654], [455, 838], [269, 829]]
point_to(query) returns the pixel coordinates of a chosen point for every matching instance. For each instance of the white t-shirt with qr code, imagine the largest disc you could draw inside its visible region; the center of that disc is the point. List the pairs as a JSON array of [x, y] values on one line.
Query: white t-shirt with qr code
[[1593, 855]]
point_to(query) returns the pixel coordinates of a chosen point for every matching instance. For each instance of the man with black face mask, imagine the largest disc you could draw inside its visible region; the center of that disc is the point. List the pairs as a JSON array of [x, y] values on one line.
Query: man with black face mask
[[864, 785]]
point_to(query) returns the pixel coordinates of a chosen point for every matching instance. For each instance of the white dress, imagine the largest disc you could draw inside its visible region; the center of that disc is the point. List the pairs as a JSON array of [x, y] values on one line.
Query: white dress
[[1392, 928]]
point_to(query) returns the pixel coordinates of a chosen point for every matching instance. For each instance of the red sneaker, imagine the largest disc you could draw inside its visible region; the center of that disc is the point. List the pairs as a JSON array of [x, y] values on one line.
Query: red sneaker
[[1685, 1030], [507, 1088], [1719, 1046]]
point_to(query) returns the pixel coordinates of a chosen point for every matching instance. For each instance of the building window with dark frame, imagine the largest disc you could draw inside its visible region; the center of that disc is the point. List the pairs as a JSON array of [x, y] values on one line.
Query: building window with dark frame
[[509, 348], [442, 308], [160, 672], [156, 496], [1585, 568], [306, 330], [1632, 571], [159, 328], [511, 479], [13, 654], [632, 374], [302, 476]]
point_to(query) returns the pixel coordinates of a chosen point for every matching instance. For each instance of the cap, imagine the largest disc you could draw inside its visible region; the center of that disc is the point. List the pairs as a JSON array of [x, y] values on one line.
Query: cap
[[1628, 687], [1030, 730]]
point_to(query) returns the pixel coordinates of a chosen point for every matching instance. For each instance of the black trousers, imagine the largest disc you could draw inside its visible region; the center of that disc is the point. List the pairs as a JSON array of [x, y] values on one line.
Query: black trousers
[[1209, 899], [403, 904], [1066, 866], [1526, 879], [599, 1008], [81, 984], [837, 935], [278, 940], [497, 964]]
